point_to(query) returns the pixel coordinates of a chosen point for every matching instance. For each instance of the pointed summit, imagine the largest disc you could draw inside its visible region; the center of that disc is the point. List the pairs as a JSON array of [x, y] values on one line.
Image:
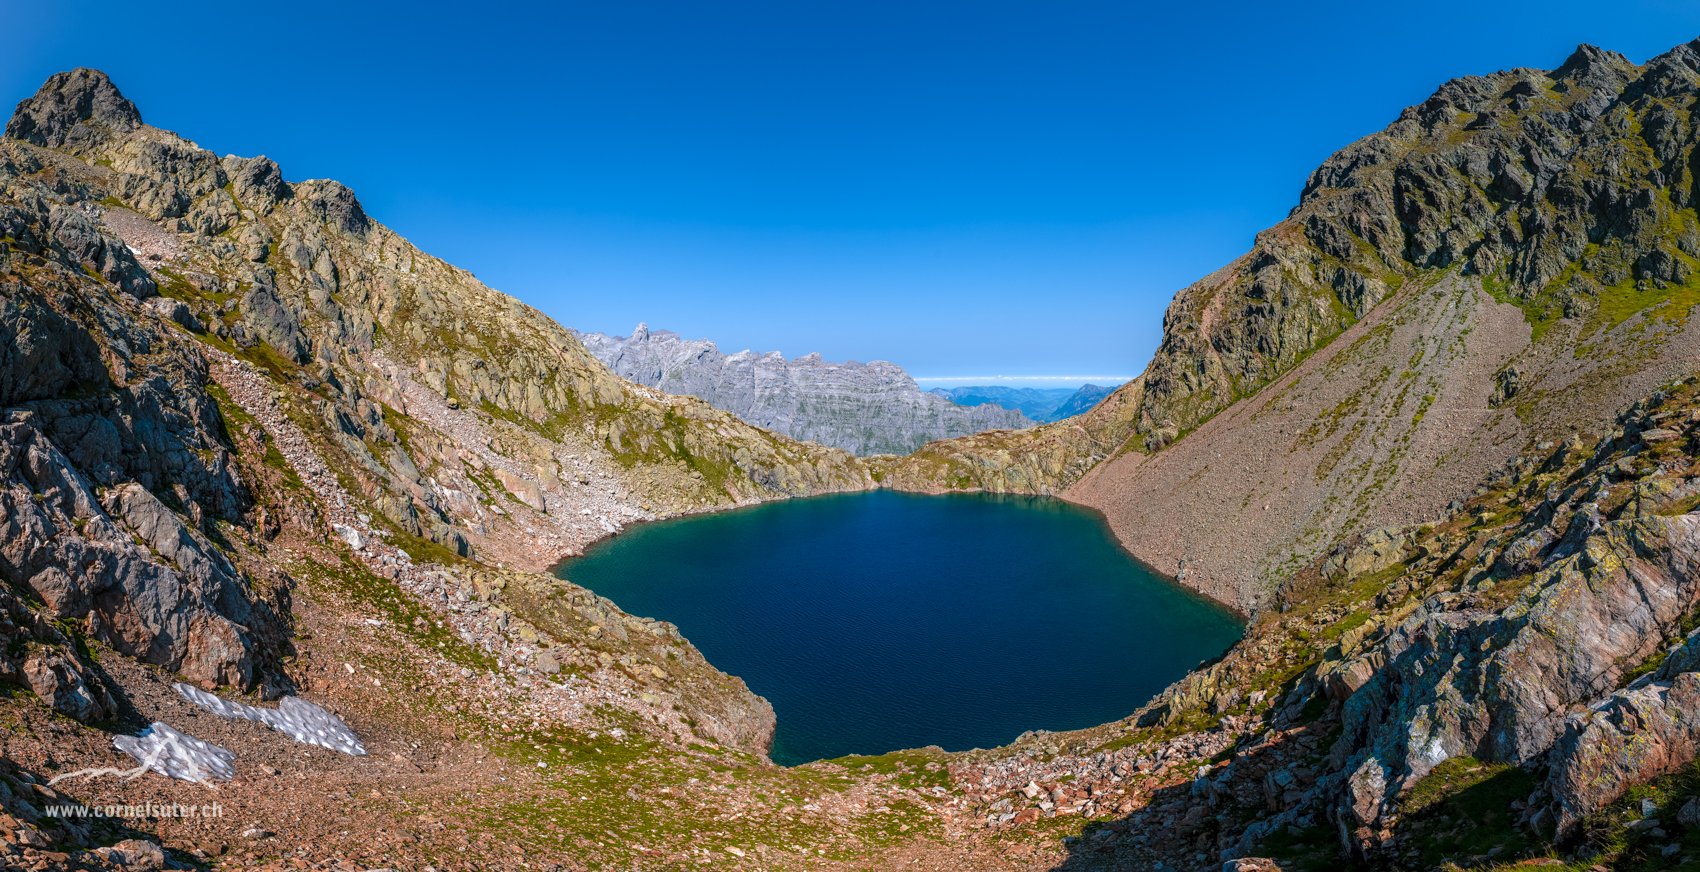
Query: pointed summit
[[1594, 67], [74, 111]]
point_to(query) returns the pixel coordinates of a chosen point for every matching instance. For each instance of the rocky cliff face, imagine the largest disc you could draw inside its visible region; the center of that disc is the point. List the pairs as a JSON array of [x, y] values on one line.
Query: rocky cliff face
[[116, 472], [1505, 262], [862, 408]]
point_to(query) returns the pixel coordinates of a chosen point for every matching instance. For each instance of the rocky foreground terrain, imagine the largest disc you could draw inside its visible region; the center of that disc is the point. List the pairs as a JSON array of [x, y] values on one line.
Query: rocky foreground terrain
[[862, 408], [253, 442]]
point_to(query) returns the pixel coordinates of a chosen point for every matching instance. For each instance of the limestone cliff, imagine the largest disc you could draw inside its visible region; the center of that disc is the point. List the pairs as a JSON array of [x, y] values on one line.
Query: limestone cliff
[[862, 408]]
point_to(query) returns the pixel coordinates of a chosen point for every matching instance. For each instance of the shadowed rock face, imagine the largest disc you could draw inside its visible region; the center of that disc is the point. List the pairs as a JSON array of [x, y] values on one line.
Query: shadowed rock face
[[863, 408], [97, 395]]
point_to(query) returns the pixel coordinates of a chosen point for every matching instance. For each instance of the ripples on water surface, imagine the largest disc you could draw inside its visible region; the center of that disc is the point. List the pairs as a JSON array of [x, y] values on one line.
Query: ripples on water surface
[[882, 620]]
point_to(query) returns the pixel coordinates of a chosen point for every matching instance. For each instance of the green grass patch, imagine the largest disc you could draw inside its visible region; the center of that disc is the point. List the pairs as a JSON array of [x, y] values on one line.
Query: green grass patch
[[1306, 849], [1461, 812]]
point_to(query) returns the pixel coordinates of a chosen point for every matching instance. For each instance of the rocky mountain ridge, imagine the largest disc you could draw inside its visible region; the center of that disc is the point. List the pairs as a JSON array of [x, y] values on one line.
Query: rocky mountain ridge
[[862, 408]]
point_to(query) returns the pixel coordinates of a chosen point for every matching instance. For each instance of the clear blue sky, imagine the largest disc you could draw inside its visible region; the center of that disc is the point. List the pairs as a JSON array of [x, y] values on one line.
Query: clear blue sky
[[964, 189]]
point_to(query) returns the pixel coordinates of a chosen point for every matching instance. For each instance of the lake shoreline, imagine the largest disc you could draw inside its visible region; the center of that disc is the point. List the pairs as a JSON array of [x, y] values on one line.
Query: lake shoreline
[[882, 619]]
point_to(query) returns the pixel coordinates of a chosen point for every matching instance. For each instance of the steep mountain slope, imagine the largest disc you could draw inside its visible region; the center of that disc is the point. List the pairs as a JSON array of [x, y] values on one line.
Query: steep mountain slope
[[1509, 260], [252, 440], [863, 408]]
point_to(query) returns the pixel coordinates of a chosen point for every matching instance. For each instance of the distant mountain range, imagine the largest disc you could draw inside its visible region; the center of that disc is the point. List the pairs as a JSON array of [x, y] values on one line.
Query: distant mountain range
[[863, 408], [1040, 404]]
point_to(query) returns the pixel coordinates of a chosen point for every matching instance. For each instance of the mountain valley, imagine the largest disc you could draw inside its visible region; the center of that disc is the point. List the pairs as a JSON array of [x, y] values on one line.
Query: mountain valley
[[1437, 436]]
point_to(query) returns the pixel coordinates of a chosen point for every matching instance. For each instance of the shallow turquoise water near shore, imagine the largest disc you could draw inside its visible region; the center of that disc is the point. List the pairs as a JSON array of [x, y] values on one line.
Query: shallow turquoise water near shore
[[882, 620]]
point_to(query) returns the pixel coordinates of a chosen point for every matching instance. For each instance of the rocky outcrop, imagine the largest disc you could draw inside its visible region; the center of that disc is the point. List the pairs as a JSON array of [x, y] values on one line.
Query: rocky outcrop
[[1543, 614], [1628, 739], [103, 408], [125, 564], [862, 408]]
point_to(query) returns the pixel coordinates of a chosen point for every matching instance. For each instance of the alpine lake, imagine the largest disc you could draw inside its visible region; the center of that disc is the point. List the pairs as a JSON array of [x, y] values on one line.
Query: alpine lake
[[881, 620]]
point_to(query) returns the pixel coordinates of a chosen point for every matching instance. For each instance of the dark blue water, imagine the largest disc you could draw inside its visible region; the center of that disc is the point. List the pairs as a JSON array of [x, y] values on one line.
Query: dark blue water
[[882, 620]]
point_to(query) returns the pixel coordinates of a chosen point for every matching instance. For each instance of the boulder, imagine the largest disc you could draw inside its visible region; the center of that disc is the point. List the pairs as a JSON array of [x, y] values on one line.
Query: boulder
[[178, 311], [135, 854], [1631, 737], [61, 682], [524, 489]]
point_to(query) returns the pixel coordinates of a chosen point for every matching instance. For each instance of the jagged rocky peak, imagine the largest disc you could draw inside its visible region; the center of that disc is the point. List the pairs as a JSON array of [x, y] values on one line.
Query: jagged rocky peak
[[863, 408], [1552, 186], [73, 111]]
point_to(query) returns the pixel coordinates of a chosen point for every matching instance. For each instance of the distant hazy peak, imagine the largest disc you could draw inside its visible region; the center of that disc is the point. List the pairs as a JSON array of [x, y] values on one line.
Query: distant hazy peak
[[864, 408]]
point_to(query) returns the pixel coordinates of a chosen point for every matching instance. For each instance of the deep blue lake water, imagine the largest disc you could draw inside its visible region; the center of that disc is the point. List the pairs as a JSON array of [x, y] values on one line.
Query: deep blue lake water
[[882, 620]]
